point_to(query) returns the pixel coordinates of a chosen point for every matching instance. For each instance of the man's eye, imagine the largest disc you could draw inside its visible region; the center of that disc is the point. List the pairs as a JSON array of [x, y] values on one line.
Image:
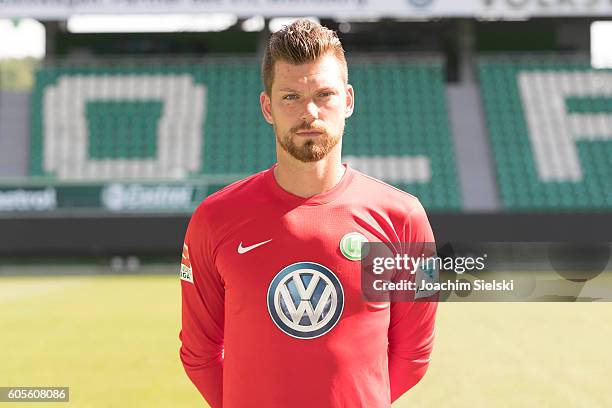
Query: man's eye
[[326, 94], [290, 97]]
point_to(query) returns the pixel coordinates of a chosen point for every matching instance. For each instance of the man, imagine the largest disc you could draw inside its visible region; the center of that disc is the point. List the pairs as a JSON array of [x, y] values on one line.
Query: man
[[273, 314]]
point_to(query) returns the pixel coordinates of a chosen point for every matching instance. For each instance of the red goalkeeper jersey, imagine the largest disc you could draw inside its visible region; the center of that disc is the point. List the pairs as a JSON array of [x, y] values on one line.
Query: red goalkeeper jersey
[[272, 309]]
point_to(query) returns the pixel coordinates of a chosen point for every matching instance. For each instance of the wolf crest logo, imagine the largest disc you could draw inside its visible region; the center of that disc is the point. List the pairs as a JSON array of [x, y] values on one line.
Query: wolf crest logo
[[305, 300]]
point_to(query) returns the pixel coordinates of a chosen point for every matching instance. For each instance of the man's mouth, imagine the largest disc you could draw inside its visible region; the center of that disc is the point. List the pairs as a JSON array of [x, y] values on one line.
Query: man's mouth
[[309, 133]]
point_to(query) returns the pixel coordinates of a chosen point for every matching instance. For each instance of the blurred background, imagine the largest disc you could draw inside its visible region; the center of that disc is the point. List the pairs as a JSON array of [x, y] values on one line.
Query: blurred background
[[117, 118]]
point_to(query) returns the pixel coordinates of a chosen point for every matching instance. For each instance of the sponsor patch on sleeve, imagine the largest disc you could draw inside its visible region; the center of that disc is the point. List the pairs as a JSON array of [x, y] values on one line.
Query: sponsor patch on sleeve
[[427, 275], [186, 273]]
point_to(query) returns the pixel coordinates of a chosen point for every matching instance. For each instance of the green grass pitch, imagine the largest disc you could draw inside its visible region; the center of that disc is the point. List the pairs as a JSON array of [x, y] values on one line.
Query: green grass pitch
[[114, 340]]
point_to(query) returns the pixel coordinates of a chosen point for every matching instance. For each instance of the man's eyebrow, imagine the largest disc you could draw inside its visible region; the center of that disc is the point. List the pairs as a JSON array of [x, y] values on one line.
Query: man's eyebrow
[[323, 88]]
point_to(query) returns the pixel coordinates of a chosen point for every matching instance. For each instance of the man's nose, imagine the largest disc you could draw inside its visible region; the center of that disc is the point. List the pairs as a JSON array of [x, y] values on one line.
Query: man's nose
[[311, 112]]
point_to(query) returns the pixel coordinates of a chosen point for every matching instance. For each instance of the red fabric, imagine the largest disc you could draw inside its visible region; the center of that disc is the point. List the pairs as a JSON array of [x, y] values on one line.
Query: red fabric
[[232, 349]]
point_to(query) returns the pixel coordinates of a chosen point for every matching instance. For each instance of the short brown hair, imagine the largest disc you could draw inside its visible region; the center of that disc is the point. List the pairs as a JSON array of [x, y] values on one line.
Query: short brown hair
[[301, 42]]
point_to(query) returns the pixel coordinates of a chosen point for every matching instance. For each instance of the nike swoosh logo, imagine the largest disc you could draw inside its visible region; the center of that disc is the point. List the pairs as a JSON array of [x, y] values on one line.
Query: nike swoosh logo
[[242, 250]]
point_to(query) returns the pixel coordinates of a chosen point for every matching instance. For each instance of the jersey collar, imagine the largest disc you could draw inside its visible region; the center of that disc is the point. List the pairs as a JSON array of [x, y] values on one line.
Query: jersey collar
[[317, 199]]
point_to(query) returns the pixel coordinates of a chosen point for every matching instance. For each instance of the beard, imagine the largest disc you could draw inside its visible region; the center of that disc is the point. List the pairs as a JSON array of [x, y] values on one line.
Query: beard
[[312, 149]]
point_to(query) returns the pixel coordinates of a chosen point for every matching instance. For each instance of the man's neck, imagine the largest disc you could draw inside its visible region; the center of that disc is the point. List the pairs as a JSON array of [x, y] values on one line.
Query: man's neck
[[308, 179]]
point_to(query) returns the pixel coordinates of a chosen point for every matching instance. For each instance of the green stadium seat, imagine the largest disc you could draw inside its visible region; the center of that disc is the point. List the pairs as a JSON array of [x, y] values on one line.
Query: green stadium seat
[[400, 129], [549, 126]]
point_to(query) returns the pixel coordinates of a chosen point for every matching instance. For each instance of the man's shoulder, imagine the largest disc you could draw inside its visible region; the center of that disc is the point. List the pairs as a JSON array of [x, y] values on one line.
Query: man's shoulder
[[398, 206], [380, 191], [238, 193]]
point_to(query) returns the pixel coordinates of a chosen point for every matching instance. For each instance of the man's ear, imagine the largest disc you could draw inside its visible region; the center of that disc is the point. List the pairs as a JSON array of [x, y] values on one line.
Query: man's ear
[[350, 100], [266, 106]]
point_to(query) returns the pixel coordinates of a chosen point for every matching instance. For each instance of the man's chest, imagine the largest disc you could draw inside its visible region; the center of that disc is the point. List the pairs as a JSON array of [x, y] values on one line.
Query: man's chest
[[251, 255], [302, 270]]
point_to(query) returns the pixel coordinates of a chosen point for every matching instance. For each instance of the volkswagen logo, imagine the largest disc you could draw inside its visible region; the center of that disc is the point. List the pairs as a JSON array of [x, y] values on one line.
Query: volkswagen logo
[[305, 300]]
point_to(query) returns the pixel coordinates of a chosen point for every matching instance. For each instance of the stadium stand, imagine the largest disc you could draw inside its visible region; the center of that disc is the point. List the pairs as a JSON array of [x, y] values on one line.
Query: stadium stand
[[550, 126], [181, 121]]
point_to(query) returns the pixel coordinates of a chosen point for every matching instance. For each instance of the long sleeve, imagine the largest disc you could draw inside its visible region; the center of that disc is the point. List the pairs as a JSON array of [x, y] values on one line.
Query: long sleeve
[[202, 313], [410, 344], [411, 328]]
